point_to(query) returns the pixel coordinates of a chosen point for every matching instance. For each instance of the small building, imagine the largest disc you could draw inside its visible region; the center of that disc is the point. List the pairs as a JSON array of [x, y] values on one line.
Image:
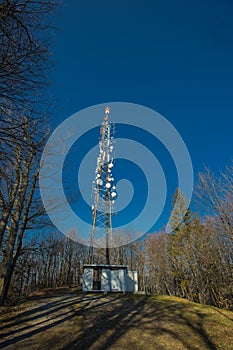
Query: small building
[[109, 278]]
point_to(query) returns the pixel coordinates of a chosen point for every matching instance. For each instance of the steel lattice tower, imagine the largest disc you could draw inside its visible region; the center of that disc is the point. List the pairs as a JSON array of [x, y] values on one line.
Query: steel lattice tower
[[104, 190]]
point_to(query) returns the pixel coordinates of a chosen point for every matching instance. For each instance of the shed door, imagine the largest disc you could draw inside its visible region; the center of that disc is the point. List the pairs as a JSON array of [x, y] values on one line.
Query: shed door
[[97, 278]]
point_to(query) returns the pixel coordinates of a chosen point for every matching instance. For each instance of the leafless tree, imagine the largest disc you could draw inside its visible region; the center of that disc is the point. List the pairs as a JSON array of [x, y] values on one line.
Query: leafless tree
[[215, 195], [24, 54], [19, 204]]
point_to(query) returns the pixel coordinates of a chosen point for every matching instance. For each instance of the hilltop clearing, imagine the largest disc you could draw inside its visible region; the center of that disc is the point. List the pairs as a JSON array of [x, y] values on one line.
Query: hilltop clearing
[[67, 320]]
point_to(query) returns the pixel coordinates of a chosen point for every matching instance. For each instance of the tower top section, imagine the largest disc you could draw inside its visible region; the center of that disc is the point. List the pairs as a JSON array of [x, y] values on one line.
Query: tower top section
[[107, 111]]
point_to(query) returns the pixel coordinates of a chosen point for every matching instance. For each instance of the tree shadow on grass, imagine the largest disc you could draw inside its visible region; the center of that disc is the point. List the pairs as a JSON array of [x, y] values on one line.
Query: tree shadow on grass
[[107, 321], [103, 328], [37, 320]]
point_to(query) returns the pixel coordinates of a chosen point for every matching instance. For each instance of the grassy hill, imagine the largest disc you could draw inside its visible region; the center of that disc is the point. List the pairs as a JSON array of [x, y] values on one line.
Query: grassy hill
[[65, 320]]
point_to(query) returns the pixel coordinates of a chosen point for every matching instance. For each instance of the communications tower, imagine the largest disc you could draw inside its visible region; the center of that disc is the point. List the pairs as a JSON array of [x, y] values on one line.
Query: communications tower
[[104, 192]]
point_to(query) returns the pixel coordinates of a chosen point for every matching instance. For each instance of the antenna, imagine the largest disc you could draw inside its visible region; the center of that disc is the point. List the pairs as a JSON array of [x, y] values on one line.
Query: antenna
[[104, 190]]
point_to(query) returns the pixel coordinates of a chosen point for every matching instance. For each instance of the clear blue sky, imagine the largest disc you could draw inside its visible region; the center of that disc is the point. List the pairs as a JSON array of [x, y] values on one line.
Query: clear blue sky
[[174, 56]]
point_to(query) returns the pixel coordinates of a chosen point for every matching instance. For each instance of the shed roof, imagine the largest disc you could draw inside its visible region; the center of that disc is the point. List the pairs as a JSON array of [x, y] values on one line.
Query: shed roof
[[105, 266]]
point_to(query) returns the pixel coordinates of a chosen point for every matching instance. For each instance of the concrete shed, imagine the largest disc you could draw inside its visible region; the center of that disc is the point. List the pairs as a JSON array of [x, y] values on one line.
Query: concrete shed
[[109, 278]]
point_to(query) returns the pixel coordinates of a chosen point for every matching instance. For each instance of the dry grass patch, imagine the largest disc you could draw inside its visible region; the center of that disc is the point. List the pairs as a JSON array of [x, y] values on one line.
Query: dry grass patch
[[115, 321]]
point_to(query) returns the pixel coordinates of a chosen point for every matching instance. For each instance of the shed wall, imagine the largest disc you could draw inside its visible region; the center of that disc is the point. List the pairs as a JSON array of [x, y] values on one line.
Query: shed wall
[[112, 280], [132, 281], [88, 280]]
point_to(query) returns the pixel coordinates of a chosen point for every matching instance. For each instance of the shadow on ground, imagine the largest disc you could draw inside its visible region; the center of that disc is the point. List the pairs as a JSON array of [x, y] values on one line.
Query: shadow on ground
[[99, 322]]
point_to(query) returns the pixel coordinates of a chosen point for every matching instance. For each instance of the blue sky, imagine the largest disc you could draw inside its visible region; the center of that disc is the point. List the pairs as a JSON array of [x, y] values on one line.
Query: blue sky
[[175, 57]]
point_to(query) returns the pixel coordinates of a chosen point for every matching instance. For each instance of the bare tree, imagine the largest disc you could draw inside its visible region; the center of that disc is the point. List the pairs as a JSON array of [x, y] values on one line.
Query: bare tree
[[18, 203], [216, 196], [23, 53]]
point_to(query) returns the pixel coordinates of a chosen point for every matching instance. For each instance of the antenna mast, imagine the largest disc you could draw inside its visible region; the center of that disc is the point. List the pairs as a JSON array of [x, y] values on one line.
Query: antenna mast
[[104, 191]]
